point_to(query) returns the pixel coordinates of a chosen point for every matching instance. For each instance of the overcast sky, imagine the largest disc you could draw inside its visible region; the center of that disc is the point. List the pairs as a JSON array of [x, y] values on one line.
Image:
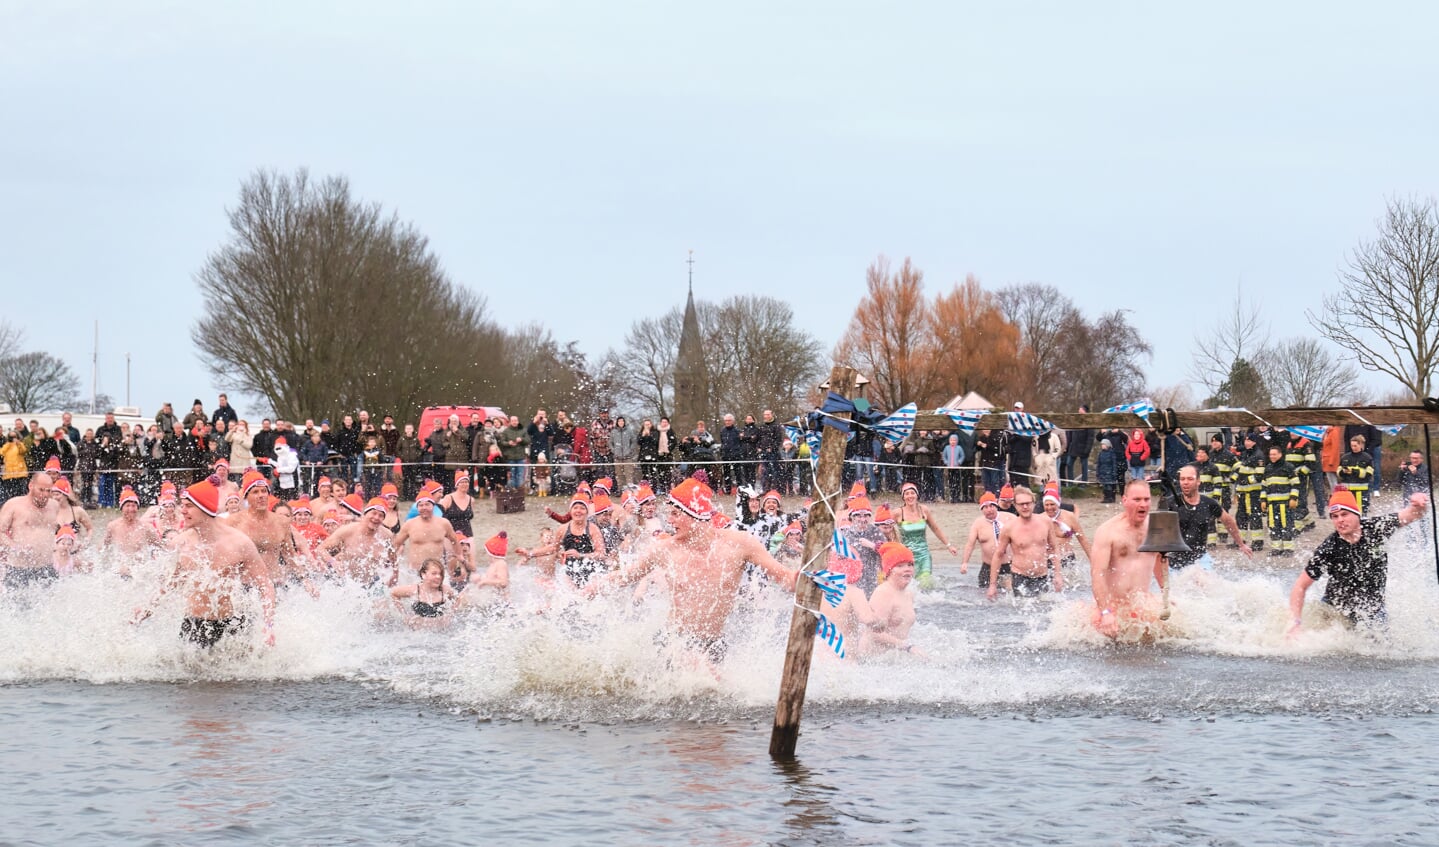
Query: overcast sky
[[563, 157]]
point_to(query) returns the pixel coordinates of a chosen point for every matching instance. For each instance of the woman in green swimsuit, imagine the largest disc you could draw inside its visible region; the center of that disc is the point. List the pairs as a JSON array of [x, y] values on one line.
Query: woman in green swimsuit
[[915, 521]]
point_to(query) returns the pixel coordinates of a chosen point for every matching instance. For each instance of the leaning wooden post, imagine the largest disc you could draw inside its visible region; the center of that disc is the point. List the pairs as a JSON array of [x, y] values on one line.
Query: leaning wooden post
[[797, 655]]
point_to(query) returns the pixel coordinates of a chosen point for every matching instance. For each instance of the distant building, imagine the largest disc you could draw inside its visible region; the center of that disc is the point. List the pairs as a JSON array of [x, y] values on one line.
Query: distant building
[[692, 387]]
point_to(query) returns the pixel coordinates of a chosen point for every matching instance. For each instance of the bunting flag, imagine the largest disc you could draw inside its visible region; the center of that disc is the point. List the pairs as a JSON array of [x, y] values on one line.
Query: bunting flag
[[897, 426], [1313, 433], [831, 585], [1025, 424], [1392, 429], [827, 632], [965, 419], [834, 405], [1141, 407], [812, 438], [841, 546]]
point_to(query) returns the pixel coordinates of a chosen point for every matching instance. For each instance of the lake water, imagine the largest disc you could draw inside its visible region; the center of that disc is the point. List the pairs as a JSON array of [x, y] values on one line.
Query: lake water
[[572, 728]]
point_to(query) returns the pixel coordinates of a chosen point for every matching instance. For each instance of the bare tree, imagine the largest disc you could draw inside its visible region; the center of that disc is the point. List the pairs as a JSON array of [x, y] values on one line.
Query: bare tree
[[1387, 310], [1043, 314], [11, 337], [1302, 372], [1242, 333], [1095, 362], [1179, 396], [37, 382], [319, 303]]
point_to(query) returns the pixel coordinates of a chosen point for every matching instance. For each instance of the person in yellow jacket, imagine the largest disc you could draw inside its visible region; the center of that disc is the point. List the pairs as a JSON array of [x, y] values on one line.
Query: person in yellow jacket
[[1356, 471], [1249, 493], [14, 452], [1299, 453], [1281, 500]]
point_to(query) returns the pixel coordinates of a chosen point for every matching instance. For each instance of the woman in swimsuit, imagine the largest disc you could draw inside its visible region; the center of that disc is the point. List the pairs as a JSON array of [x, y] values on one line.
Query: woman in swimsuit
[[458, 507], [915, 522], [464, 567], [429, 596], [390, 493], [67, 506], [581, 547]]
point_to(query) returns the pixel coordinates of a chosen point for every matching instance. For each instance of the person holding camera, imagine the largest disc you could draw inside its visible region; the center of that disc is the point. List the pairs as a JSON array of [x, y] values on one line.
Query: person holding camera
[[1414, 475]]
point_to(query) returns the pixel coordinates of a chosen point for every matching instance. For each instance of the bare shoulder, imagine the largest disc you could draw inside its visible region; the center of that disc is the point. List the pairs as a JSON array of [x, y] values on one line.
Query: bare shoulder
[[1108, 529]]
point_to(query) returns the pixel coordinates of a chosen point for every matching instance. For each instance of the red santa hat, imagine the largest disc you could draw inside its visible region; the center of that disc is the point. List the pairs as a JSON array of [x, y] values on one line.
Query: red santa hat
[[498, 545], [860, 506], [52, 464], [694, 498], [128, 495], [66, 532], [353, 503], [1343, 500], [375, 505], [252, 479], [205, 496]]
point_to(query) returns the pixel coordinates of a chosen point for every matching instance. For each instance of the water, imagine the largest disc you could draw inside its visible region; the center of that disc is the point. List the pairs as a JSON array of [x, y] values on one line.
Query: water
[[572, 728]]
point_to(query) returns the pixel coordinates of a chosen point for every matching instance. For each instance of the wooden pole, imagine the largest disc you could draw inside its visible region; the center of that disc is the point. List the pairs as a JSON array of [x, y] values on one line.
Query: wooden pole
[[800, 649]]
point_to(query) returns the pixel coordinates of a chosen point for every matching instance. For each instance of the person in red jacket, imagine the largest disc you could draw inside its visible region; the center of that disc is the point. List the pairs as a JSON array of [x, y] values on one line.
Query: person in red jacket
[[1136, 452]]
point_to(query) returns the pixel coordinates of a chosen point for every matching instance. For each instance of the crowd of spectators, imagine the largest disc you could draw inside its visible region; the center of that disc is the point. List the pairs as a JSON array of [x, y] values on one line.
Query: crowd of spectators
[[554, 455]]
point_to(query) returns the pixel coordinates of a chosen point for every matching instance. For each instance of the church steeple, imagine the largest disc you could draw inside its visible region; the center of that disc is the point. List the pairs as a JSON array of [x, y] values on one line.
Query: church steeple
[[691, 374]]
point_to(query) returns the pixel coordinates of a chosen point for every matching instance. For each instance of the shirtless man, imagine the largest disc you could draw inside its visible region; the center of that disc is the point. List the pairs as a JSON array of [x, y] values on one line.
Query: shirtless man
[[704, 567], [427, 536], [27, 531], [892, 602], [273, 535], [215, 561], [984, 533], [325, 500], [357, 550], [127, 534], [1027, 537], [1119, 572]]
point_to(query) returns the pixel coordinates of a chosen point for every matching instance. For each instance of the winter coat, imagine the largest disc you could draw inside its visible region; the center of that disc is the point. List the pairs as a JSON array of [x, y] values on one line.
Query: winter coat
[[514, 443], [624, 442], [1107, 467], [240, 455], [287, 461], [648, 446], [1136, 450], [408, 450], [457, 445]]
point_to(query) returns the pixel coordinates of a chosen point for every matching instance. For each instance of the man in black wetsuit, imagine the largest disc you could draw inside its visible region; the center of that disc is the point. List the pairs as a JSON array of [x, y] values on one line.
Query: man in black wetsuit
[[1355, 561], [1197, 516]]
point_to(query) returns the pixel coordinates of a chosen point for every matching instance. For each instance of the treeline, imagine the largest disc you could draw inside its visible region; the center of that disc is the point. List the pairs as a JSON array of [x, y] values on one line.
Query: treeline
[[320, 304], [1025, 342]]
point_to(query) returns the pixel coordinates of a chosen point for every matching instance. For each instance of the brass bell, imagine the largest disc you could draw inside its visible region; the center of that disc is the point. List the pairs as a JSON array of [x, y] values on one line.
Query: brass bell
[[1163, 535]]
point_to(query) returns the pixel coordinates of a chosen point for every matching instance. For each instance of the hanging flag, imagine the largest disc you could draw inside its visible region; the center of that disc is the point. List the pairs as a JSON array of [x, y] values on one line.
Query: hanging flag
[[810, 437], [965, 419], [1141, 407], [831, 585], [841, 546], [827, 632], [1392, 429], [1313, 433], [898, 425], [1023, 423]]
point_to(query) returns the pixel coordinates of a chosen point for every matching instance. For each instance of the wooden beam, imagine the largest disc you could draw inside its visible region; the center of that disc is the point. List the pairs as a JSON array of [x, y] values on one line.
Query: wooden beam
[[1377, 415], [800, 649]]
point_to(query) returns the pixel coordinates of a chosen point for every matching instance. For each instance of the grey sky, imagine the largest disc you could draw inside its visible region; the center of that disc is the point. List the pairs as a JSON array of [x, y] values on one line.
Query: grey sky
[[562, 157]]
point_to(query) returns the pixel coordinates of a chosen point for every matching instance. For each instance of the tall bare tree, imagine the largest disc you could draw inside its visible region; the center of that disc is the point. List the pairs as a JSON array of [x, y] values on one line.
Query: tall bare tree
[[11, 337], [1387, 310], [1303, 372], [890, 339], [1043, 315], [1240, 333], [320, 303], [37, 382]]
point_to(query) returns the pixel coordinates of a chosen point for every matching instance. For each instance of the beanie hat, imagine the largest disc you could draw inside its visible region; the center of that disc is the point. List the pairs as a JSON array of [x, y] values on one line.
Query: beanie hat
[[1343, 500], [353, 504], [498, 545], [252, 479], [205, 496], [694, 498], [892, 554]]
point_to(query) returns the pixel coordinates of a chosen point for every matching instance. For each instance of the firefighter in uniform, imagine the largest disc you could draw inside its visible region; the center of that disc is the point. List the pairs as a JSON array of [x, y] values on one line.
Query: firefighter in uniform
[[1249, 493], [1224, 462], [1299, 453], [1208, 485], [1281, 497], [1356, 470]]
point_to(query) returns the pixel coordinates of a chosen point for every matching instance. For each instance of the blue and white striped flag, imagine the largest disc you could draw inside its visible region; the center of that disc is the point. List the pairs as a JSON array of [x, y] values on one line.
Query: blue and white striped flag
[[1141, 407], [1023, 423], [827, 632], [898, 425], [841, 546], [812, 438], [965, 419], [1392, 429], [1313, 433], [831, 585]]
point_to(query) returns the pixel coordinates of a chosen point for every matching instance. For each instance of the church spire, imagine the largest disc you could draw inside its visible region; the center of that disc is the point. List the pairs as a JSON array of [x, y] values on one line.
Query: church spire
[[691, 373]]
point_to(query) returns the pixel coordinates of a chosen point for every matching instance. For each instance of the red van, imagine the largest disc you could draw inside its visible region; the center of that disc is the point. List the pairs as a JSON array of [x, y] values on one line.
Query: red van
[[437, 417]]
